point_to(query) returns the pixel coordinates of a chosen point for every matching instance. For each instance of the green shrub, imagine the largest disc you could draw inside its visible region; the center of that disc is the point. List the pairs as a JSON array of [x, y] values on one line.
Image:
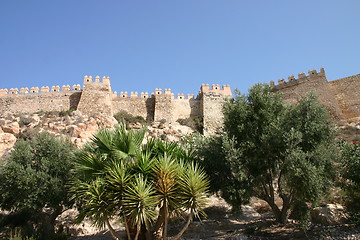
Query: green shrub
[[24, 120], [34, 179], [195, 123], [124, 116], [349, 173], [64, 113]]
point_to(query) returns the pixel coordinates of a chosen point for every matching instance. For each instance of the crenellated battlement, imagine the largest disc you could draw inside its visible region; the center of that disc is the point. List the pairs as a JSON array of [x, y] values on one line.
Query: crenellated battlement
[[302, 78], [182, 96], [215, 88], [341, 97], [89, 80], [43, 89], [97, 97]]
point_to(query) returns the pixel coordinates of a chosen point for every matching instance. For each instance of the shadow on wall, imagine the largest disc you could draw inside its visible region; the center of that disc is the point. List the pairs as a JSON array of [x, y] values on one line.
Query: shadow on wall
[[150, 109], [74, 100]]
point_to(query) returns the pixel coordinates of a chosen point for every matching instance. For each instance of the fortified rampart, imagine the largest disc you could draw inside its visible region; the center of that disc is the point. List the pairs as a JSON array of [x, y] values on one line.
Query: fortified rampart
[[341, 96], [96, 96]]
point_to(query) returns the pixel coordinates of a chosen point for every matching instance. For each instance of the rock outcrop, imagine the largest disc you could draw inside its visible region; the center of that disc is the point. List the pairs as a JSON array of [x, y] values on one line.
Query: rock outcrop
[[330, 214], [79, 128]]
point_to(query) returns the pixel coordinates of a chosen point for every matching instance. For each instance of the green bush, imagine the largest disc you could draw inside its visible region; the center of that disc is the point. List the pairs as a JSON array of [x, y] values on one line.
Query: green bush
[[33, 183], [349, 173], [24, 120], [124, 116], [195, 123]]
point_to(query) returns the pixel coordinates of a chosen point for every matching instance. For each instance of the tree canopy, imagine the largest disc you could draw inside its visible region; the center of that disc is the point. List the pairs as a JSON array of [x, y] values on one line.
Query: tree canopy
[[33, 180], [117, 176], [272, 150]]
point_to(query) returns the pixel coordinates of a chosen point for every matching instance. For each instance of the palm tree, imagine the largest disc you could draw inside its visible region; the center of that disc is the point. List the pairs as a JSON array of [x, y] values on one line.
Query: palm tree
[[117, 176], [165, 172], [139, 203], [193, 184], [107, 157], [97, 204]]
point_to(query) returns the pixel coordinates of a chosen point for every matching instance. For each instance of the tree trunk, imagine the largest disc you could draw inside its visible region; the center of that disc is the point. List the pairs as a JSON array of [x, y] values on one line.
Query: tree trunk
[[48, 223], [166, 221], [127, 228], [178, 236], [112, 231], [159, 227], [280, 215], [138, 228]]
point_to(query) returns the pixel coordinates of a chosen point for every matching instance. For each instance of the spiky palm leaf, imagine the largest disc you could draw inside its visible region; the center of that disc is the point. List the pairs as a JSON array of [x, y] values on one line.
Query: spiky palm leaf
[[144, 164], [96, 202], [166, 171], [127, 142], [140, 201], [90, 165], [194, 185], [118, 177]]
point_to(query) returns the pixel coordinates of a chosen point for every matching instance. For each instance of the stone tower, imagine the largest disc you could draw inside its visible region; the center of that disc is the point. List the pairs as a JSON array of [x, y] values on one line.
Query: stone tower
[[96, 96], [211, 104]]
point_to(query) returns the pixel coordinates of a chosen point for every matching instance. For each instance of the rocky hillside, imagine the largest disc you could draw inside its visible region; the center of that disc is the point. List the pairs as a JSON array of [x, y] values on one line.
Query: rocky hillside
[[77, 127]]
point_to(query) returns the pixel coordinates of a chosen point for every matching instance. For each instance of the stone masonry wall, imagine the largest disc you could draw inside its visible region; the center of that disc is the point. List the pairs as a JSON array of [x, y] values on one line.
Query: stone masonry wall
[[164, 105], [171, 109], [186, 108], [35, 102], [96, 96], [341, 97], [212, 100], [347, 93], [143, 107], [294, 89]]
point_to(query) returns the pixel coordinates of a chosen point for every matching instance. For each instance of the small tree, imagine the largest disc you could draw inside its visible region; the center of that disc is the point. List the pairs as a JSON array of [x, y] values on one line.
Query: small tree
[[350, 176], [118, 176], [272, 150], [33, 180]]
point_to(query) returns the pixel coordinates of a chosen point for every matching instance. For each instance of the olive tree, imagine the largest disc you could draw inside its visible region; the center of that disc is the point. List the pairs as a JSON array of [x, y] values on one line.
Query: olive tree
[[272, 150], [33, 181]]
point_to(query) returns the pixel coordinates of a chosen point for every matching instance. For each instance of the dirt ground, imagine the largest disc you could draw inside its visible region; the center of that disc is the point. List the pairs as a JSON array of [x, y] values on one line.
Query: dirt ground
[[222, 224]]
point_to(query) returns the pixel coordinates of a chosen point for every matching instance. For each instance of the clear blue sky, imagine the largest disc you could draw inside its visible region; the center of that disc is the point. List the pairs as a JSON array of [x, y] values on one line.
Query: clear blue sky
[[144, 44]]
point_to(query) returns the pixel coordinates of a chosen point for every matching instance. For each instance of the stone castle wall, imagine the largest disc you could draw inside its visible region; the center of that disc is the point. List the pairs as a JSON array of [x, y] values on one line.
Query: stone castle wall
[[296, 88], [347, 94], [96, 97], [25, 101], [341, 97], [212, 99]]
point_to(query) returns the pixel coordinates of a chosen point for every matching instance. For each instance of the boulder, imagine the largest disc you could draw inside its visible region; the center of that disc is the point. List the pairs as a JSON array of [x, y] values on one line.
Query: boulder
[[35, 120], [73, 130], [12, 128], [7, 141], [330, 214]]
